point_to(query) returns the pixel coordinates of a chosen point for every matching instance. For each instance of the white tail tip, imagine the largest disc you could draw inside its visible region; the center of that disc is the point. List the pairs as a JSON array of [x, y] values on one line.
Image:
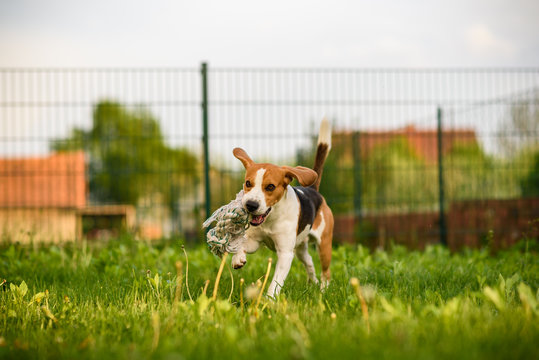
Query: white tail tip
[[324, 135]]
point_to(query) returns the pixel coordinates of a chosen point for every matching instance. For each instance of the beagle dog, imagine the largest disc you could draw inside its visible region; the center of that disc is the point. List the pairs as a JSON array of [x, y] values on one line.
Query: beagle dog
[[285, 218]]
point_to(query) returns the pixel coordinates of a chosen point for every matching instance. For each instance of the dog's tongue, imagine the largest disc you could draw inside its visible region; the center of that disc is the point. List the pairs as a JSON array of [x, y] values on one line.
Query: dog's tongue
[[258, 219]]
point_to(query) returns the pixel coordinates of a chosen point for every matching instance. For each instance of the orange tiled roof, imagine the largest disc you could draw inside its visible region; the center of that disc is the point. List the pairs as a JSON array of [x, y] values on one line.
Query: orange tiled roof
[[423, 142], [54, 181]]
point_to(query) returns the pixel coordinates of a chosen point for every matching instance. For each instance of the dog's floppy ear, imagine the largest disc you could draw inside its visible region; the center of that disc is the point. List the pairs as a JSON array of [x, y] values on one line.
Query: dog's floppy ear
[[305, 176], [240, 154]]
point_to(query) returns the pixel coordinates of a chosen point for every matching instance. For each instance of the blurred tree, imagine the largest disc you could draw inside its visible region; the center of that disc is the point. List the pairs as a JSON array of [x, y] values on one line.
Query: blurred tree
[[337, 184], [520, 129], [469, 173], [394, 178], [518, 141], [128, 157], [391, 174], [529, 185]]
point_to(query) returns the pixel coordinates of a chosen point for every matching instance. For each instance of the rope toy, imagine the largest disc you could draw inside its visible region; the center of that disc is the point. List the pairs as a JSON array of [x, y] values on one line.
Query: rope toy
[[232, 221]]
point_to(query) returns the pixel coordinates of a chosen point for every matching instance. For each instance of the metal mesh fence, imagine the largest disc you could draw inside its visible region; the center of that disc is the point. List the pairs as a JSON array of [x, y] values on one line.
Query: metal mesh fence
[[141, 133]]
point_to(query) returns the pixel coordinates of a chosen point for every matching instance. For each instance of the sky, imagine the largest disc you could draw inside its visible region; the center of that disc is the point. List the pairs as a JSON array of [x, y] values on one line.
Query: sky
[[383, 33], [232, 33]]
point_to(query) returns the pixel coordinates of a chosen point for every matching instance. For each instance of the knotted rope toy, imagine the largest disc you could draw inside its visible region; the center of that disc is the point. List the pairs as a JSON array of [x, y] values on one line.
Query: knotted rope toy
[[232, 221]]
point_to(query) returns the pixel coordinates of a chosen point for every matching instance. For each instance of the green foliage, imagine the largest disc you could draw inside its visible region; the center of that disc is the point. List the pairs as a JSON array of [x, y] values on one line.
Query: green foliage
[[470, 174], [118, 300], [338, 177], [520, 147], [128, 156], [530, 183], [391, 175], [393, 178]]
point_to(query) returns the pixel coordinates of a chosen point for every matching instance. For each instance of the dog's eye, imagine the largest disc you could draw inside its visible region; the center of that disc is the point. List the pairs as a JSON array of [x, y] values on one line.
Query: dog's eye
[[270, 187], [248, 184]]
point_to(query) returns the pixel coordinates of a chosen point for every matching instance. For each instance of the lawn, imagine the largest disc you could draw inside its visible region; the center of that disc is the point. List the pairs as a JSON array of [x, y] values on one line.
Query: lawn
[[120, 300]]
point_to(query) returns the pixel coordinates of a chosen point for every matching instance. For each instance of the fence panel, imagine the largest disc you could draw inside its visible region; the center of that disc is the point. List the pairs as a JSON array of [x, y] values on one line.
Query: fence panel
[[140, 135], [82, 150], [382, 176]]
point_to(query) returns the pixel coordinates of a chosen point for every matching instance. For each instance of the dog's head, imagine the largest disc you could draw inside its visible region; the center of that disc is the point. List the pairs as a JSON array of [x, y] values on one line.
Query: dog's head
[[265, 184]]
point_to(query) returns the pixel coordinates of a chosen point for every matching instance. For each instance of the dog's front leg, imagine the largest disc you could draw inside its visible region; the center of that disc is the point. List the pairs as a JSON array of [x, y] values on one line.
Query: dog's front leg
[[249, 246], [284, 262]]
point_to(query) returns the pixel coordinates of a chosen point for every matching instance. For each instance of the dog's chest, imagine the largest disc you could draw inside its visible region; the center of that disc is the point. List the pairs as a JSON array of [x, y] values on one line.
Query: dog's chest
[[275, 235], [279, 230]]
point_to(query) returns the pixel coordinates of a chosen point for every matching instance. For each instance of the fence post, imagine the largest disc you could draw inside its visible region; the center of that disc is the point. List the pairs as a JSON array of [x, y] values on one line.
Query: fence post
[[441, 189], [207, 190], [356, 149]]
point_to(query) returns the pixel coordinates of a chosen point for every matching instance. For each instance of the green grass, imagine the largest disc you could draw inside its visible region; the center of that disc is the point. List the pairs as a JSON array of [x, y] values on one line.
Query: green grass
[[99, 302]]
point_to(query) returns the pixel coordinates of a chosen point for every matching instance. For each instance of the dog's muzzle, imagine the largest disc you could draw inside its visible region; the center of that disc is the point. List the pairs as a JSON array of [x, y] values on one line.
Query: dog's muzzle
[[259, 219], [251, 205]]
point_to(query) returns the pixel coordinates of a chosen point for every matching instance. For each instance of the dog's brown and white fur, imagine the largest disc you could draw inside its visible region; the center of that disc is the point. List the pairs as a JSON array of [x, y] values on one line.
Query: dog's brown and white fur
[[284, 218]]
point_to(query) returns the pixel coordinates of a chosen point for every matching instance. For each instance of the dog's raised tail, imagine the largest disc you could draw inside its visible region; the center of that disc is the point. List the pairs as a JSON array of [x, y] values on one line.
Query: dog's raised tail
[[322, 150]]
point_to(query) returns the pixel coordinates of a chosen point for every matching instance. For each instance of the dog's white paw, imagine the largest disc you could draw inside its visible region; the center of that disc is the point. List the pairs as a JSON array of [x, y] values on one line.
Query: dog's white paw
[[239, 260], [324, 283]]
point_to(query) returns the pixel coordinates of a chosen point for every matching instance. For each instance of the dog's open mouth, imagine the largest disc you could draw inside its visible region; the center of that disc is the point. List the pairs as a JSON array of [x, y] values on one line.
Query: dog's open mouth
[[259, 219]]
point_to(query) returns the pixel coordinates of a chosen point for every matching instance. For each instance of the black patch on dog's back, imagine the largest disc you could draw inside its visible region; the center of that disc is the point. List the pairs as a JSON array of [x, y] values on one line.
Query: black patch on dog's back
[[310, 201]]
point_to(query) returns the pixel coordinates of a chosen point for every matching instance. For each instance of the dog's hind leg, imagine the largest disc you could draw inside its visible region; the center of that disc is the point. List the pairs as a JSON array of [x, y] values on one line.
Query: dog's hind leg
[[325, 260], [325, 245], [302, 252]]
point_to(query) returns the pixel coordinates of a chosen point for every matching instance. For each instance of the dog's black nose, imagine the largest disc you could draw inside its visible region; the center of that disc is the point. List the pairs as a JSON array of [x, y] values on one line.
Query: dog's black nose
[[251, 205]]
